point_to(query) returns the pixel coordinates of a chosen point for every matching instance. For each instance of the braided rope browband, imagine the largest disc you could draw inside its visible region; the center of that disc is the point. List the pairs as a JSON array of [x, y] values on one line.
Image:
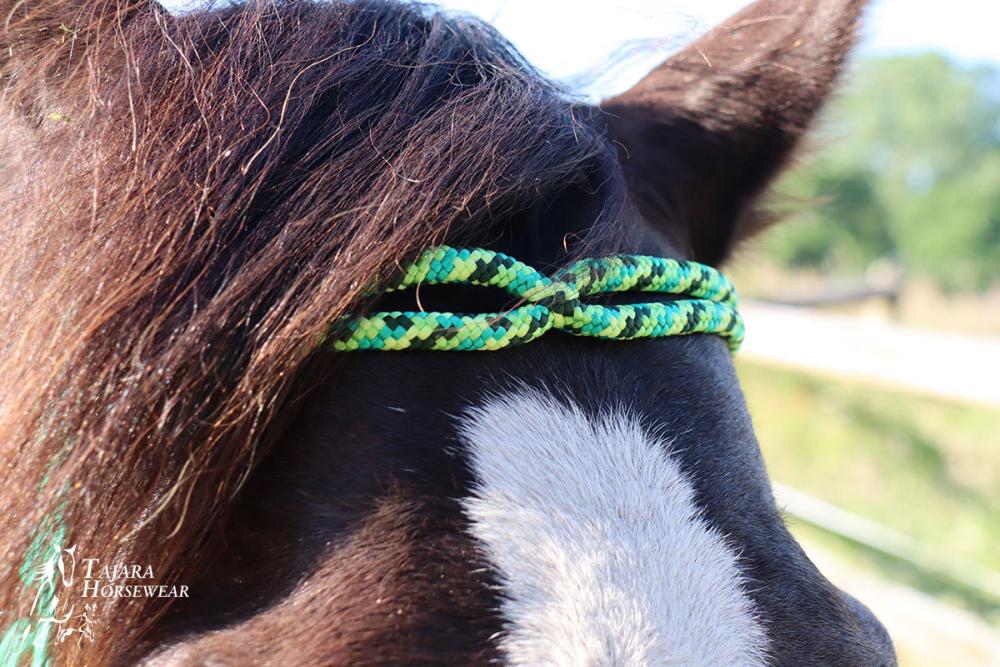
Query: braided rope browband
[[551, 303]]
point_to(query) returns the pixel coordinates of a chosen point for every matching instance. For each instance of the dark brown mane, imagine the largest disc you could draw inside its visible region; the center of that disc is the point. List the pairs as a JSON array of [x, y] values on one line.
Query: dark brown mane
[[188, 203]]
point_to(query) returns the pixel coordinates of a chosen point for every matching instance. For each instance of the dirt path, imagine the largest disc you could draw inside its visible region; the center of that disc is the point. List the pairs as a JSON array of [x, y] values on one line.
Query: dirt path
[[951, 366]]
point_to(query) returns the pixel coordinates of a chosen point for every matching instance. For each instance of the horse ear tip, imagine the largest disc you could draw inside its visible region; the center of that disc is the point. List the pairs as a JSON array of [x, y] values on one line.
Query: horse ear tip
[[703, 135]]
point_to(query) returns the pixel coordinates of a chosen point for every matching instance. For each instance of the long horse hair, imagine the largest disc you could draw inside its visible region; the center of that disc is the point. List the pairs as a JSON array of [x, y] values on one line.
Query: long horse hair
[[188, 202]]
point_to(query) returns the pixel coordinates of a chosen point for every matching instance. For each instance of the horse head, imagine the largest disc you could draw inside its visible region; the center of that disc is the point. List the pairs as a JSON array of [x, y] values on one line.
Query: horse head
[[202, 196]]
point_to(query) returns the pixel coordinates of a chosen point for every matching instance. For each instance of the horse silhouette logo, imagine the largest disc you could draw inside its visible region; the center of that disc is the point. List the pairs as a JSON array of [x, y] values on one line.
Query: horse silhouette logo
[[58, 570]]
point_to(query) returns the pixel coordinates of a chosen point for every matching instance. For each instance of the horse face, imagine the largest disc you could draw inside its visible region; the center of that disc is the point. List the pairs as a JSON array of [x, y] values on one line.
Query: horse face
[[570, 501]]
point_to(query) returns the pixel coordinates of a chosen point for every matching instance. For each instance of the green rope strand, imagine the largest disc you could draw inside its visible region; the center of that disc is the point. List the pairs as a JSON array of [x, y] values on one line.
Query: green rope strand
[[551, 303]]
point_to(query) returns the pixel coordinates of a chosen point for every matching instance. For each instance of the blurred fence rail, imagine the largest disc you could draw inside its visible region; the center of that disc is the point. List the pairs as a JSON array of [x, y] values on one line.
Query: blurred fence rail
[[950, 366], [887, 541]]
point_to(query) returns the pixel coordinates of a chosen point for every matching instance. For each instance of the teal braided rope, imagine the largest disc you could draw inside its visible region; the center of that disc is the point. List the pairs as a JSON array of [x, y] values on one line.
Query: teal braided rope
[[550, 303]]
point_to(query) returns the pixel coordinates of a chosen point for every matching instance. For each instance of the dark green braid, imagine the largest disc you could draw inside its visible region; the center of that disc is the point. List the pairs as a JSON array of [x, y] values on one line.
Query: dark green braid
[[552, 303]]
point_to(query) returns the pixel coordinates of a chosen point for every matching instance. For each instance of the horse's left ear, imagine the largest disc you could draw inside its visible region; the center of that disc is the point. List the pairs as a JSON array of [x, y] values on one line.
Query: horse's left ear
[[703, 134]]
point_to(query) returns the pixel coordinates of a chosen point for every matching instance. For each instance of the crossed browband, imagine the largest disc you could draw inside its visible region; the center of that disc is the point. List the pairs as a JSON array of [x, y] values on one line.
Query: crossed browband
[[550, 303]]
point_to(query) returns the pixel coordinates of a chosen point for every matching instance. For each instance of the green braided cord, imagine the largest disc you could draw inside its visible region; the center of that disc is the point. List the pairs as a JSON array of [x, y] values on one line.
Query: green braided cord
[[26, 641], [551, 303]]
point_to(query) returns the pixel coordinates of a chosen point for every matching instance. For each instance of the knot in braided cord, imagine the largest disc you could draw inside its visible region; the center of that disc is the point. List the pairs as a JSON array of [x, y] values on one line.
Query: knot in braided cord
[[549, 303]]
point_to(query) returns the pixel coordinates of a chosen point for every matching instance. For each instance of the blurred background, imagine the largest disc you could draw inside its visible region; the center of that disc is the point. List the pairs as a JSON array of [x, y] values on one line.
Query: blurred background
[[872, 363]]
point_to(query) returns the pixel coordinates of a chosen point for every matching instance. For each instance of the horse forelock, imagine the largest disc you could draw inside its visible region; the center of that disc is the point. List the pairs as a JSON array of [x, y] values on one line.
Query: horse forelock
[[195, 199]]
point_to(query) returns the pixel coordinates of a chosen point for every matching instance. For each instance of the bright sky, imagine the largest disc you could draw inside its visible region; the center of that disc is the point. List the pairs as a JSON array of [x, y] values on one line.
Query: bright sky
[[567, 37]]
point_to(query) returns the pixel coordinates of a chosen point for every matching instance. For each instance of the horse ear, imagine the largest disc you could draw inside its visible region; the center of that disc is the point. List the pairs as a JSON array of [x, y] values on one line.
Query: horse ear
[[703, 134]]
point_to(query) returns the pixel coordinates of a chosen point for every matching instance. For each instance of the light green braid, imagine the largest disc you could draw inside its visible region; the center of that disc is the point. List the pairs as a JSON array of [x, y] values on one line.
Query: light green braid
[[551, 303]]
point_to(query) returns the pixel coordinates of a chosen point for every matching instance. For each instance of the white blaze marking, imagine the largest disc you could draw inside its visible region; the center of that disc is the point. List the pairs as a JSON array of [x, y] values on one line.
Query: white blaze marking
[[602, 555]]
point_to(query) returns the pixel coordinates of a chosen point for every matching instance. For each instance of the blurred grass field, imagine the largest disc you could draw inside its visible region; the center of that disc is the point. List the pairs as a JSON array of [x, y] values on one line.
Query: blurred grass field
[[927, 468]]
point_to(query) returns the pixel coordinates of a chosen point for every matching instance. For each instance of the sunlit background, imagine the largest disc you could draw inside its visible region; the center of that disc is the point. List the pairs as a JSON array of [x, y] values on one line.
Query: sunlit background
[[872, 365]]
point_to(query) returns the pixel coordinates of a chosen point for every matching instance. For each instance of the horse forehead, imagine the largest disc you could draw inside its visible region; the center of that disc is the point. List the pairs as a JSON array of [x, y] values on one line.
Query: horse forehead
[[601, 552]]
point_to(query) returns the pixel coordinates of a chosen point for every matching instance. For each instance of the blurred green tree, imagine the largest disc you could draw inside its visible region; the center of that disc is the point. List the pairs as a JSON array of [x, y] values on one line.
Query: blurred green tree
[[907, 168]]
